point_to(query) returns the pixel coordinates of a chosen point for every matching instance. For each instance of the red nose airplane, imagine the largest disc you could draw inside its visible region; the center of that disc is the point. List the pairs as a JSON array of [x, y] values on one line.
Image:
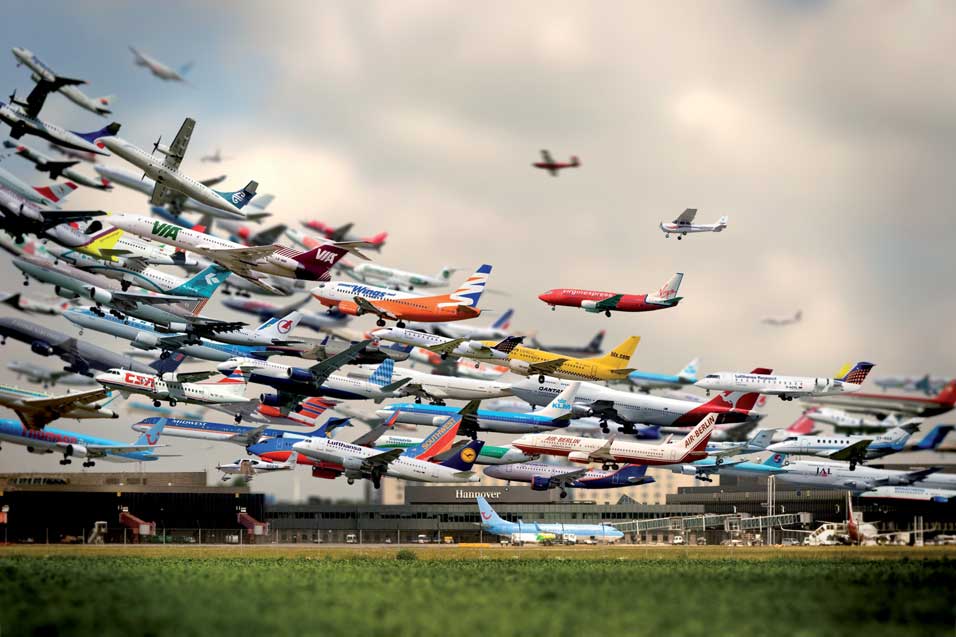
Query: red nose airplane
[[547, 163], [594, 301]]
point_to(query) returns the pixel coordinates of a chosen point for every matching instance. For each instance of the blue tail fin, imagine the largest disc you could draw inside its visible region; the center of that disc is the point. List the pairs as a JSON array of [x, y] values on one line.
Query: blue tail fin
[[185, 68], [204, 284], [465, 458], [488, 515], [504, 321], [595, 344], [151, 437], [935, 437], [469, 293], [383, 373], [329, 426], [633, 474], [240, 198], [106, 131], [776, 460], [168, 365]]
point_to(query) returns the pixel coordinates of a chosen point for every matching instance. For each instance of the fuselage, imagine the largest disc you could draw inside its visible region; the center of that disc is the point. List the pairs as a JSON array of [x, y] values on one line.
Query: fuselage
[[580, 449], [785, 386], [128, 382], [589, 300], [405, 306], [539, 473], [21, 124], [49, 440], [42, 71], [500, 421]]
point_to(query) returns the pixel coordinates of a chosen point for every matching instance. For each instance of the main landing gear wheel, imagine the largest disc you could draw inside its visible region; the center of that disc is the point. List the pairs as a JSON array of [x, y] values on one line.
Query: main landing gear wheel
[[156, 403], [351, 480], [553, 308], [607, 313], [88, 464], [163, 355], [172, 403], [380, 322], [66, 461], [564, 494], [238, 418], [679, 237], [400, 324]]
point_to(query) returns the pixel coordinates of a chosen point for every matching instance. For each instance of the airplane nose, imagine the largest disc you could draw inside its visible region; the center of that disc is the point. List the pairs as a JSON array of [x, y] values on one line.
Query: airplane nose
[[546, 296]]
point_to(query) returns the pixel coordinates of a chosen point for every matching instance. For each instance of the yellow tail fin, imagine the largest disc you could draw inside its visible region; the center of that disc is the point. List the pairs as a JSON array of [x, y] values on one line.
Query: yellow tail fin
[[620, 356], [104, 241]]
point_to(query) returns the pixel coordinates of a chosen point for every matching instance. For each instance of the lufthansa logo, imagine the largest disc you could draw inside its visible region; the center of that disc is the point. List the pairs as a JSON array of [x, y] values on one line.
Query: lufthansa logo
[[468, 454]]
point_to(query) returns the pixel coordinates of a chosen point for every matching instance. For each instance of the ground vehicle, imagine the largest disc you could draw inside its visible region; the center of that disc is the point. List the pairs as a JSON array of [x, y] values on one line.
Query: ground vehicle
[[351, 538], [448, 540], [422, 539], [790, 541], [677, 540], [701, 541], [569, 538]]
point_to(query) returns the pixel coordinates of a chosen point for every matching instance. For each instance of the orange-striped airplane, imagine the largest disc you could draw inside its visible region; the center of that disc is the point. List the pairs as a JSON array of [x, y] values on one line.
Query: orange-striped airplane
[[357, 299]]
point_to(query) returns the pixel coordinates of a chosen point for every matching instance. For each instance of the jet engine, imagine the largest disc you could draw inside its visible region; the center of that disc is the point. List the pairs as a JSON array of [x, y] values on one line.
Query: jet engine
[[589, 305], [100, 296], [540, 483], [145, 340], [519, 367], [42, 348], [76, 451], [66, 294], [352, 464], [299, 375]]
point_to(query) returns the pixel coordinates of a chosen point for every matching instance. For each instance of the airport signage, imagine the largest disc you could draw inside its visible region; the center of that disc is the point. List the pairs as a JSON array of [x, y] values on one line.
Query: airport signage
[[466, 495]]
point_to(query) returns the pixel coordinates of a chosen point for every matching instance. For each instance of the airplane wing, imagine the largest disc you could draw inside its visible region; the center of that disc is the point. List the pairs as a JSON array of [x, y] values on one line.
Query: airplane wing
[[609, 303], [324, 369], [341, 232], [381, 460], [192, 377], [39, 412], [686, 217], [604, 453], [368, 307], [918, 475], [547, 367], [130, 300], [565, 479], [161, 194], [546, 157], [102, 450], [447, 347], [249, 437], [604, 410], [853, 453], [177, 150], [213, 181], [38, 95], [53, 218]]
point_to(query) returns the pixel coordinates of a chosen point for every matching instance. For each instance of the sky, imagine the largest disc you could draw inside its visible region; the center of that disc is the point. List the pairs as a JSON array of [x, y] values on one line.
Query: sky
[[823, 130]]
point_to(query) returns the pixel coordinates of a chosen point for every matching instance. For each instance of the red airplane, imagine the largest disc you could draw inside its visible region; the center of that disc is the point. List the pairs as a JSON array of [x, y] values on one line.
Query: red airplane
[[344, 233], [594, 301], [552, 166]]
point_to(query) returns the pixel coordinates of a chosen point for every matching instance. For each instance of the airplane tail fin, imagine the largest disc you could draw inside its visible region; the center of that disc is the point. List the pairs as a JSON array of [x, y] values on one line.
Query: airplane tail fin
[[575, 161], [689, 373], [439, 441], [469, 293], [234, 383], [699, 436], [279, 329], [508, 344], [776, 460], [382, 375], [104, 104], [184, 69], [721, 223], [107, 131], [487, 513], [56, 192], [313, 407], [168, 365], [204, 283], [504, 321], [858, 374], [151, 436], [320, 259], [802, 426], [239, 198], [378, 240], [465, 458], [561, 406], [935, 437], [329, 426], [948, 393], [668, 291], [263, 201], [633, 474], [620, 356], [762, 438], [595, 344]]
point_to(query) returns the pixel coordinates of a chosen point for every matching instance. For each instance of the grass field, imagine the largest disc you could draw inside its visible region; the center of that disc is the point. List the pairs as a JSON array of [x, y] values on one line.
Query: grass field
[[493, 592]]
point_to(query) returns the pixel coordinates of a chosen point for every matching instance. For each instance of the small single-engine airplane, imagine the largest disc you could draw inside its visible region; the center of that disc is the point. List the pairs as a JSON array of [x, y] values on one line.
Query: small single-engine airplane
[[684, 225], [547, 163]]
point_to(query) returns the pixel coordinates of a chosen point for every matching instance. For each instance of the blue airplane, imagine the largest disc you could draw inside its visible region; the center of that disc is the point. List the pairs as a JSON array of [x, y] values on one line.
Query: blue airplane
[[934, 438], [239, 434], [547, 419], [646, 381], [520, 532], [72, 444]]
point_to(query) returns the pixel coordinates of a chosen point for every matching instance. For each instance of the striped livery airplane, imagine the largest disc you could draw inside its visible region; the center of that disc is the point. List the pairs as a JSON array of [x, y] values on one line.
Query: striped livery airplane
[[356, 299]]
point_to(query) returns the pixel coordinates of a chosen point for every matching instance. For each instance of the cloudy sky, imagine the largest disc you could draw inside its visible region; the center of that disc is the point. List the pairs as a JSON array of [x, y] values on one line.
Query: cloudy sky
[[824, 131]]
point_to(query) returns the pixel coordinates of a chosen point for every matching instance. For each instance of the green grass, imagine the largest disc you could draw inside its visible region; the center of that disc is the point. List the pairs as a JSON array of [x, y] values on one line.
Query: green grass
[[344, 593]]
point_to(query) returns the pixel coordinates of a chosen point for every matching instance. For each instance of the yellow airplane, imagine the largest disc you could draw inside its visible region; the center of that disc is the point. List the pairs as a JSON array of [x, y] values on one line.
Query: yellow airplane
[[612, 366]]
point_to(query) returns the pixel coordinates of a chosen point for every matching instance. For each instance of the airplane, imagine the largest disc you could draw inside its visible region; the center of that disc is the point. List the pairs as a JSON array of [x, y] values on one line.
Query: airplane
[[81, 357], [593, 346], [543, 476], [527, 361], [293, 383], [597, 302], [498, 330], [927, 384], [31, 306], [56, 168], [159, 69], [855, 449], [437, 388], [489, 455], [448, 347], [920, 494], [786, 387], [924, 407], [235, 433], [373, 464], [556, 415], [168, 177], [177, 388], [266, 310], [42, 72], [177, 203], [521, 532], [23, 119], [343, 233], [249, 263], [19, 216], [248, 468], [646, 381], [215, 158], [396, 279], [356, 299], [611, 452], [554, 167], [37, 409], [684, 225], [781, 321], [46, 376], [77, 445], [445, 367], [17, 191], [628, 408], [757, 443], [845, 421], [309, 411]]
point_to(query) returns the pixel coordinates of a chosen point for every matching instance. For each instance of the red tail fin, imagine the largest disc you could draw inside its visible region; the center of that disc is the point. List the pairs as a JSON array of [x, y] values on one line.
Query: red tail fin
[[802, 426], [378, 239], [948, 394]]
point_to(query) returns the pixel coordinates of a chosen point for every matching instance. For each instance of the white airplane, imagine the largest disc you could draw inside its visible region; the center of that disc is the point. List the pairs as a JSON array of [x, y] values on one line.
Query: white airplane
[[32, 306], [780, 321], [179, 387], [854, 448], [437, 389], [159, 69], [929, 385], [37, 409], [248, 468], [375, 274], [248, 262], [21, 216], [459, 367], [846, 420], [23, 119], [274, 331], [215, 158], [47, 196], [920, 494], [684, 225], [786, 387], [611, 453], [498, 330], [177, 202], [42, 72], [373, 464], [448, 347], [168, 177], [46, 377], [56, 168]]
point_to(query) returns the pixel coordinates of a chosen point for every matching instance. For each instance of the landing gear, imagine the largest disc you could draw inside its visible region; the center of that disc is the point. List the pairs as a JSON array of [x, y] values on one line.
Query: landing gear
[[124, 285], [607, 313], [418, 400], [88, 464], [400, 324], [553, 308], [26, 282], [351, 480], [238, 418], [681, 236], [156, 403], [380, 322], [172, 403], [604, 428], [163, 355], [66, 461], [564, 494]]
